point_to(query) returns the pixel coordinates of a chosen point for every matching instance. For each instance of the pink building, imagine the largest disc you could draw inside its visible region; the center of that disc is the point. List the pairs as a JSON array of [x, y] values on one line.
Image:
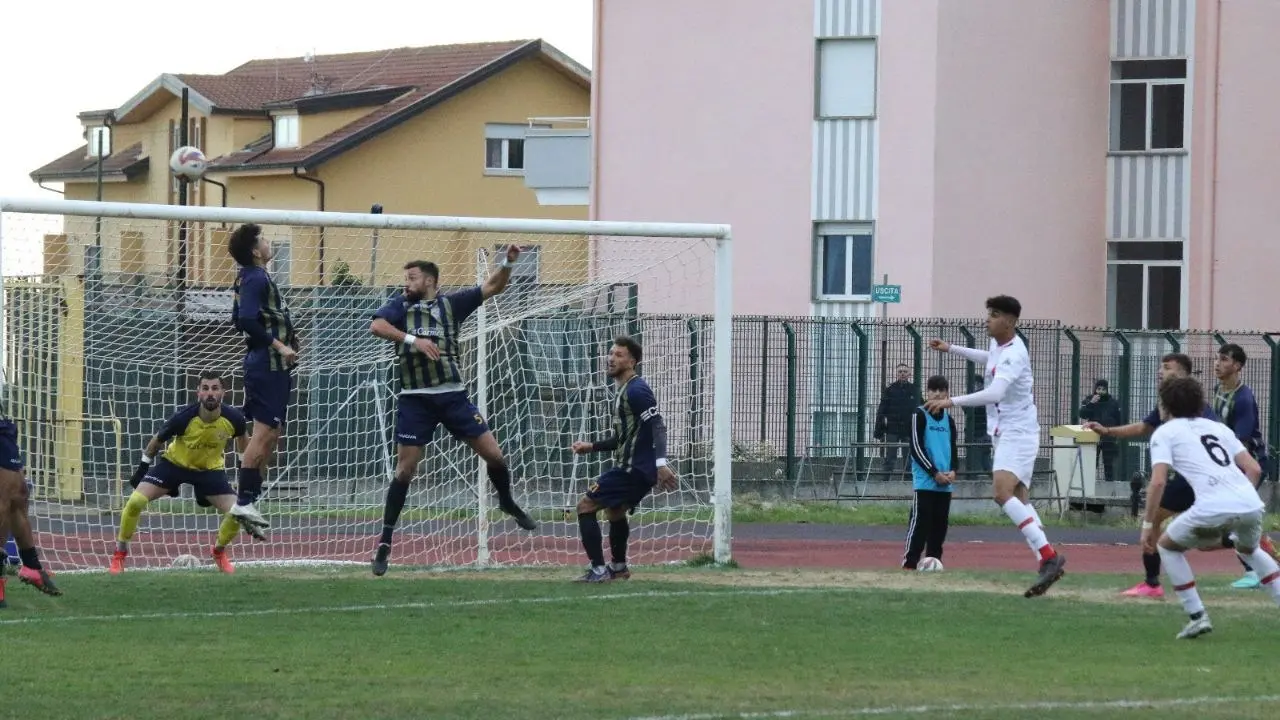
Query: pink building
[[1106, 161]]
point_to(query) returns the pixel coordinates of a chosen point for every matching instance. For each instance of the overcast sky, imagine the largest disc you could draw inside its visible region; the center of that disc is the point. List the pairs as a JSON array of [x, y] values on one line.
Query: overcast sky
[[61, 57]]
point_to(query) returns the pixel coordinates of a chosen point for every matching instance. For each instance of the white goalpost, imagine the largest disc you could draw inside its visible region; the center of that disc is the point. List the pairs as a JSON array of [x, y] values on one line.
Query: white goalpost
[[110, 311]]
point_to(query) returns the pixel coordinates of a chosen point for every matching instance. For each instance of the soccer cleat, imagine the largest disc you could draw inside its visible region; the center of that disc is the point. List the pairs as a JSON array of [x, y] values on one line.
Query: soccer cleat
[[620, 573], [1250, 581], [380, 559], [117, 562], [223, 561], [1196, 628], [1142, 589], [1051, 571], [595, 575], [41, 580], [249, 515], [509, 506]]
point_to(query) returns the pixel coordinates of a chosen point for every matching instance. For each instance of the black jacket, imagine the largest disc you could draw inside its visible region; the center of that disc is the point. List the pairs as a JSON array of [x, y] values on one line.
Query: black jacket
[[897, 402], [1105, 412]]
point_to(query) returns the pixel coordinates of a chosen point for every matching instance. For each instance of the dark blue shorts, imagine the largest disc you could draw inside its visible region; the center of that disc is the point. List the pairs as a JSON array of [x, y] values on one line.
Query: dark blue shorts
[[620, 488], [209, 483], [266, 395], [1178, 495], [10, 453], [418, 415]]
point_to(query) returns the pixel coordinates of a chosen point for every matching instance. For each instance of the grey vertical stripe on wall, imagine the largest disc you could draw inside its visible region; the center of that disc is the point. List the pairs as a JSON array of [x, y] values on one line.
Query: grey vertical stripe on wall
[[1147, 196], [844, 170], [1151, 28], [833, 309], [845, 18]]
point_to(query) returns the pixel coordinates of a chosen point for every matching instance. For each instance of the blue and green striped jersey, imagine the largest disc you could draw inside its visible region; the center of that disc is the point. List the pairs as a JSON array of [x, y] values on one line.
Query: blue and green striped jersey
[[438, 320], [259, 311]]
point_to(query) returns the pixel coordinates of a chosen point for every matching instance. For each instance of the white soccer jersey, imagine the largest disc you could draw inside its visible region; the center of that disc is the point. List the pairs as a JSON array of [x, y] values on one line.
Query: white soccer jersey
[[1016, 413], [1204, 451]]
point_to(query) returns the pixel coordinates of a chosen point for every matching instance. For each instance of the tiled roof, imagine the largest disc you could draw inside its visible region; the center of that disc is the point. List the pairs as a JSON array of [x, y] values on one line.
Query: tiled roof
[[415, 79], [75, 164]]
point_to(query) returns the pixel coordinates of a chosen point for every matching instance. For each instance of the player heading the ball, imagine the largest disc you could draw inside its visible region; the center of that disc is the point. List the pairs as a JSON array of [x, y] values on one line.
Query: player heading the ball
[[260, 312], [196, 455], [639, 445], [425, 326]]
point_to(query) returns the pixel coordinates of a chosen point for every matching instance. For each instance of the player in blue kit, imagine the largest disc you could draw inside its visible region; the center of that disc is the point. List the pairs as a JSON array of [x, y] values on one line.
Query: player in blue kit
[[425, 325], [14, 495], [639, 446], [259, 311]]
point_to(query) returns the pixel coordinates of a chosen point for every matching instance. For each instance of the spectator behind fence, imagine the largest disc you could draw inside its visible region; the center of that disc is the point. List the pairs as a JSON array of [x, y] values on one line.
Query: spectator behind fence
[[1103, 408], [893, 418], [933, 463]]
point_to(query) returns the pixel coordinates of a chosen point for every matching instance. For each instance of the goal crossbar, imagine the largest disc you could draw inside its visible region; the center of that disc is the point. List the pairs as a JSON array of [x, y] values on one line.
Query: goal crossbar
[[316, 218], [720, 234]]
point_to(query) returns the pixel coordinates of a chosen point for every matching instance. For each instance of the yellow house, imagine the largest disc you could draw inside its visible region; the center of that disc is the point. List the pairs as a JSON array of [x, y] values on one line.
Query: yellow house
[[431, 130]]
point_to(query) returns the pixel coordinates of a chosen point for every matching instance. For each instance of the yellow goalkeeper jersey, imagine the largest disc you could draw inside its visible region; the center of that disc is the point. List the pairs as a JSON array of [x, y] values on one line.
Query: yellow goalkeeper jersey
[[199, 445]]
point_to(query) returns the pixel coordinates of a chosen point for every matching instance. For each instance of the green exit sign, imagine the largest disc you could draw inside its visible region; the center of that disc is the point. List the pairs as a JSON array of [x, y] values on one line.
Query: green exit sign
[[886, 293]]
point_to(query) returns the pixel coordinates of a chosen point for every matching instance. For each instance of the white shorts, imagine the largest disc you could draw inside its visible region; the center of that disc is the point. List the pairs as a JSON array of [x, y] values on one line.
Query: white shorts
[[1016, 453], [1200, 528]]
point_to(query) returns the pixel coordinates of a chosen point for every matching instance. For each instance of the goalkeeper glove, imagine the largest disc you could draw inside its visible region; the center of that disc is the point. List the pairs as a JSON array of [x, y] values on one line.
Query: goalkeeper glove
[[141, 472]]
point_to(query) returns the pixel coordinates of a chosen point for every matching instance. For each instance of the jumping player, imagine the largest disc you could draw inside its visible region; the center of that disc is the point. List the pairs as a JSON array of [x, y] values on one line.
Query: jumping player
[[425, 325], [196, 457], [1222, 473], [14, 498], [260, 312], [1013, 425], [639, 444]]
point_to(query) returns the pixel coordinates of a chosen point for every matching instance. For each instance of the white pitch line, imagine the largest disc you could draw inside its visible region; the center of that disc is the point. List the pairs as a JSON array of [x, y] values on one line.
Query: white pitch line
[[975, 707], [439, 605]]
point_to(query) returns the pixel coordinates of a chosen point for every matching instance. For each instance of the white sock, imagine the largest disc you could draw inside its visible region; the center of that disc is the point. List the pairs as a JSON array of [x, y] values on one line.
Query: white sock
[[1039, 523], [1268, 571], [1026, 524], [1183, 580]]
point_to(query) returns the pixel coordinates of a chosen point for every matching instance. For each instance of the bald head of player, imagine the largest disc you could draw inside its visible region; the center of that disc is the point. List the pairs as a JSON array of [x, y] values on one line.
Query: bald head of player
[[1003, 312], [1182, 397]]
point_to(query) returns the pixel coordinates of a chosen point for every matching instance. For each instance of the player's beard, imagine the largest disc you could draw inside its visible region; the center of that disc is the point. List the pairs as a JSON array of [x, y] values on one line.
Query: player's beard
[[210, 403]]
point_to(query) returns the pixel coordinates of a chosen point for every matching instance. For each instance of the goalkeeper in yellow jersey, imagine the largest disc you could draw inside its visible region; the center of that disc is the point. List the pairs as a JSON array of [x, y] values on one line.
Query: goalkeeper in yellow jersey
[[197, 457]]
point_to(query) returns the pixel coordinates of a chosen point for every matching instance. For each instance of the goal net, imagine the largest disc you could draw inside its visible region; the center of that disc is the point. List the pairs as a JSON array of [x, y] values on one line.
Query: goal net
[[112, 310]]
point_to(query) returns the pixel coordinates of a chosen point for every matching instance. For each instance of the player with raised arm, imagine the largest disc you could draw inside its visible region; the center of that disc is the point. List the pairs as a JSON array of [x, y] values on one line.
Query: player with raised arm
[[260, 312], [639, 445], [14, 503], [197, 435], [1013, 425], [1177, 495], [425, 326], [1222, 474]]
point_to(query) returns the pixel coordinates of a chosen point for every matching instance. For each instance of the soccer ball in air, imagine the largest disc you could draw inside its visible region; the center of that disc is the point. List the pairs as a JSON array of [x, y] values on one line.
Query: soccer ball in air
[[188, 162], [929, 565], [186, 561]]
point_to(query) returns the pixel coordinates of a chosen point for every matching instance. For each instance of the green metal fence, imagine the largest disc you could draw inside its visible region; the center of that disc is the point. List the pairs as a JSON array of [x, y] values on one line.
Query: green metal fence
[[810, 387]]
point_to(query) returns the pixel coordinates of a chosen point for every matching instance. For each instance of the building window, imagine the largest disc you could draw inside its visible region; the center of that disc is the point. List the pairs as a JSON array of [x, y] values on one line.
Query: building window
[[286, 131], [1144, 285], [843, 260], [99, 141], [1148, 105], [504, 149], [847, 78]]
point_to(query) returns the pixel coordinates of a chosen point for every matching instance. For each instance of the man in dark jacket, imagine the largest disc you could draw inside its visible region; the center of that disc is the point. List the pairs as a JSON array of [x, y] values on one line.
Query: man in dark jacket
[[893, 418], [1103, 408]]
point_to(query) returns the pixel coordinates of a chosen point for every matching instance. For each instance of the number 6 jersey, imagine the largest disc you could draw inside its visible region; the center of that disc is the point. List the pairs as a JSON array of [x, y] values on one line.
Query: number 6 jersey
[[1204, 451]]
